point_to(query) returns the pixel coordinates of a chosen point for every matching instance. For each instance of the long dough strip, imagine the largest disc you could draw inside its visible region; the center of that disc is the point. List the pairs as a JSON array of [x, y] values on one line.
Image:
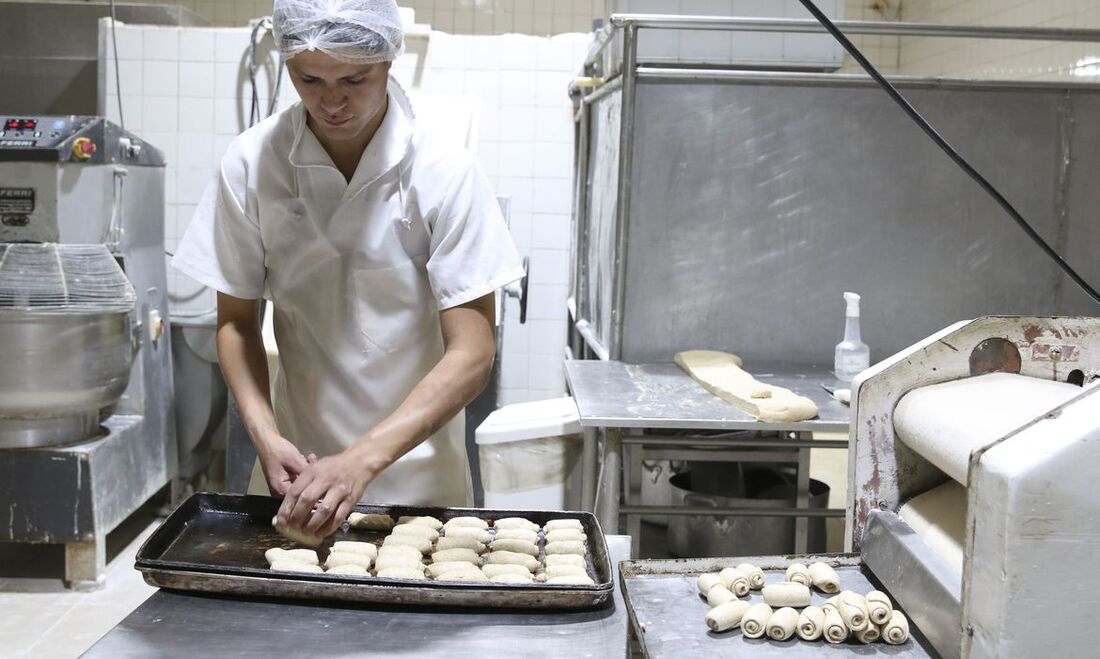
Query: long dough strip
[[896, 631], [720, 373], [727, 616], [799, 573], [787, 594], [755, 621], [782, 624], [735, 580], [811, 623], [756, 575], [879, 607], [824, 578]]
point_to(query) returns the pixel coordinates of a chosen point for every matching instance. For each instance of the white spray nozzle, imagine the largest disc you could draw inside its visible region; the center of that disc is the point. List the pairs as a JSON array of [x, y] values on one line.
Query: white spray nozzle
[[853, 304]]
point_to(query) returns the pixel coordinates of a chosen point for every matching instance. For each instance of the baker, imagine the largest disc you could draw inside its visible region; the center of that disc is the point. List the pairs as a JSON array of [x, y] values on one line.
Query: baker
[[380, 249]]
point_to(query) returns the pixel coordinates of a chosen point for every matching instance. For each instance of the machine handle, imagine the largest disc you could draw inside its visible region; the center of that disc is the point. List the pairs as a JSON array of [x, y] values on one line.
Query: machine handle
[[519, 290]]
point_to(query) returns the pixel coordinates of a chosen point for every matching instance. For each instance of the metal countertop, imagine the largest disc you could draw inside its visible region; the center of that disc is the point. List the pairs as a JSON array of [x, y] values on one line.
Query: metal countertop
[[611, 394], [172, 624]]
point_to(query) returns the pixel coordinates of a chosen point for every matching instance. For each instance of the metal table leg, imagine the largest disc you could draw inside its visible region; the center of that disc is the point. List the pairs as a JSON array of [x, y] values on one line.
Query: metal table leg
[[85, 563], [633, 457], [801, 524], [589, 469], [610, 487]]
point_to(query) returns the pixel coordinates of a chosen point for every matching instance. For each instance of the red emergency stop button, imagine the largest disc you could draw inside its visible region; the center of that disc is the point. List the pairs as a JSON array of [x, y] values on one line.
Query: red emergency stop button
[[83, 148]]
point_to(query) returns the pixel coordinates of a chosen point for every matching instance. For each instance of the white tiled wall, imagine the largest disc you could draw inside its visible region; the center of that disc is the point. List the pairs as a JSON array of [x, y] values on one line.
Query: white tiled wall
[[1003, 59], [185, 91]]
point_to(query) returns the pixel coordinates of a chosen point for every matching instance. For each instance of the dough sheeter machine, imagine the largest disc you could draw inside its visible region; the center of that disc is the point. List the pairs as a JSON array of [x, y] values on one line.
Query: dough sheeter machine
[[968, 501]]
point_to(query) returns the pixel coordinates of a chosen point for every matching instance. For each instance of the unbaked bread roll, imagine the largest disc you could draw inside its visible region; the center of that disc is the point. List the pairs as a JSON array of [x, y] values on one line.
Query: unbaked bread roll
[[353, 547], [572, 579], [458, 554], [419, 530], [296, 566], [896, 631], [396, 560], [566, 547], [496, 569], [481, 535], [853, 609], [370, 521], [517, 534], [422, 545], [519, 546], [735, 580], [513, 558], [727, 616], [878, 607], [512, 578], [464, 575], [436, 570], [799, 573], [706, 581], [300, 536], [564, 570], [565, 559], [811, 623], [718, 595], [755, 574], [466, 522], [512, 523], [299, 555], [401, 573], [835, 629], [824, 578], [349, 570], [869, 634], [755, 621], [565, 534], [569, 523], [392, 551], [459, 543], [424, 519], [782, 624], [787, 594], [338, 558]]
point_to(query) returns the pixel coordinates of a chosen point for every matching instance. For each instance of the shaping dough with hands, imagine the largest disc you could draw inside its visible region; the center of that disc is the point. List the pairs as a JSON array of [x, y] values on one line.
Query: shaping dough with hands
[[720, 373]]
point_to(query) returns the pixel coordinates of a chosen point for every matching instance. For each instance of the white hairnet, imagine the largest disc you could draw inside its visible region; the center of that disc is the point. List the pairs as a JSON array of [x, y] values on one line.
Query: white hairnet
[[352, 31]]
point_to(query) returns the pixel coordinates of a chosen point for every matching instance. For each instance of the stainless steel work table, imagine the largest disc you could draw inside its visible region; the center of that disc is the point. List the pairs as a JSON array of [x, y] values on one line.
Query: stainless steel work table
[[626, 400], [172, 624]]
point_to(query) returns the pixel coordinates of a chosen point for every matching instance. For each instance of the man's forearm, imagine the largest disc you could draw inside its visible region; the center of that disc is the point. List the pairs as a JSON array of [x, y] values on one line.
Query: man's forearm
[[243, 362]]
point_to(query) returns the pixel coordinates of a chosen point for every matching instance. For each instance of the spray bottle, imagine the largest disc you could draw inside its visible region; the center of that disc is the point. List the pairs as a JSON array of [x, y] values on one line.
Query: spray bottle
[[852, 355]]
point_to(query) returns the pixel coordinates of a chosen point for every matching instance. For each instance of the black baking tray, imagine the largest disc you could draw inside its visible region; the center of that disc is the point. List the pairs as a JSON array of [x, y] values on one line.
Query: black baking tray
[[215, 543]]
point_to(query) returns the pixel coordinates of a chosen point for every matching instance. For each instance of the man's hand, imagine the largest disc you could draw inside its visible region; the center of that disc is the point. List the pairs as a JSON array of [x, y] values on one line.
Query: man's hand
[[282, 464], [325, 493]]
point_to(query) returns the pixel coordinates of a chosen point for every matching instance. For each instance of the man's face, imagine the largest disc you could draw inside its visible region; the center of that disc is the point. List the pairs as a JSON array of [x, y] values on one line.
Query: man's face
[[342, 99]]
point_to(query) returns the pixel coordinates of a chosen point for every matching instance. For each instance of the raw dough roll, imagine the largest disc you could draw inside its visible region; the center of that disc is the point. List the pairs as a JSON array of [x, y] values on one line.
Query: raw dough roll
[[296, 566], [718, 595], [419, 530], [574, 579], [811, 623], [824, 578], [463, 575], [512, 523], [299, 555], [566, 547], [755, 621], [879, 607], [540, 577], [401, 573], [853, 609], [564, 570], [799, 573], [517, 534], [338, 558], [512, 558], [459, 542], [518, 546], [835, 629], [396, 560], [349, 570], [466, 522], [565, 559], [735, 580], [896, 631], [869, 634], [353, 547], [370, 521], [459, 554], [569, 523], [400, 550], [511, 578], [782, 624], [425, 520], [295, 534], [481, 535], [727, 616], [565, 534], [422, 545], [497, 569], [787, 594], [436, 570], [707, 581], [755, 574]]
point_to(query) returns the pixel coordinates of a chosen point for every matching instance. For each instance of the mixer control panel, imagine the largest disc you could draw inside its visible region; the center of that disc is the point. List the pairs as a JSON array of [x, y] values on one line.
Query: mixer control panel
[[36, 132]]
